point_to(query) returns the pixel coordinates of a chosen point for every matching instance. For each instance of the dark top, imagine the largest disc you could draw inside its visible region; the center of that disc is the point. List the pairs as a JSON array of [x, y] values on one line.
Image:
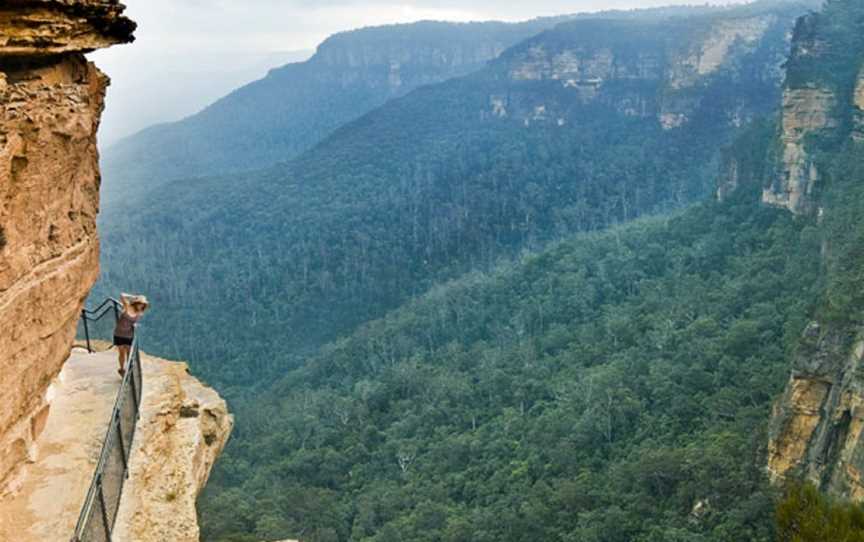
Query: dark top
[[126, 325]]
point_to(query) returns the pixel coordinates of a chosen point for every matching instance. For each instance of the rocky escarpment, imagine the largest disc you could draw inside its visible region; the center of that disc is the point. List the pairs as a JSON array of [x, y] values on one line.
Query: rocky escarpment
[[396, 60], [816, 427], [807, 112], [183, 429], [51, 99], [816, 430], [670, 70], [52, 422], [53, 27], [299, 105], [715, 48]]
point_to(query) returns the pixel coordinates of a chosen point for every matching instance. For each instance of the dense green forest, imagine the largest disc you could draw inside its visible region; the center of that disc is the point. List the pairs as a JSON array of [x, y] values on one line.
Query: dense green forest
[[614, 387], [443, 323], [598, 390], [424, 189]]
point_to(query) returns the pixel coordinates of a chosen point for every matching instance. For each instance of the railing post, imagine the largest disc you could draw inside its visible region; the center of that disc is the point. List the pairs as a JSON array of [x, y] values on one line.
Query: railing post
[[86, 330], [121, 440], [105, 522]]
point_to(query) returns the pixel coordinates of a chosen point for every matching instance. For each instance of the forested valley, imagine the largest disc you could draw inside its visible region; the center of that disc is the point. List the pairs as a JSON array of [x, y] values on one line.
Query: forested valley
[[434, 185], [530, 302]]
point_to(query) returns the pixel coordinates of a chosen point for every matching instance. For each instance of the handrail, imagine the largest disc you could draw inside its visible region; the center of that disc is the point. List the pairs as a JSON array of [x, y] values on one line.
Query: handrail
[[108, 300], [95, 315], [99, 512]]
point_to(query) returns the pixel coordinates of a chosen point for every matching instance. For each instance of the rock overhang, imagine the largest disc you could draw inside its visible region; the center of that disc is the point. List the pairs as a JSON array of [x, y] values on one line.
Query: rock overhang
[[44, 28]]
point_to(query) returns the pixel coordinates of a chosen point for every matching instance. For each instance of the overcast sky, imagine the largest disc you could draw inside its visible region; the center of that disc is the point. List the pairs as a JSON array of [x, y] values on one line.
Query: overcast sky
[[226, 43], [280, 25]]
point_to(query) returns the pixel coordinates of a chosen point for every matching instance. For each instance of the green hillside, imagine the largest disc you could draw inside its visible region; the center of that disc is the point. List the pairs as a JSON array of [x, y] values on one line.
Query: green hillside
[[428, 187], [296, 106], [597, 390], [616, 386]]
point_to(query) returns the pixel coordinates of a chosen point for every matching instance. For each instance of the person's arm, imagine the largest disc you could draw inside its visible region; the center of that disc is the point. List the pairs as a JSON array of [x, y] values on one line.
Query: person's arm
[[124, 300]]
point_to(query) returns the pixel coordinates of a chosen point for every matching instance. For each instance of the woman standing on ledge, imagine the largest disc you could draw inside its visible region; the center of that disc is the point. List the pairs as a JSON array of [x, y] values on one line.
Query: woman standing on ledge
[[133, 307]]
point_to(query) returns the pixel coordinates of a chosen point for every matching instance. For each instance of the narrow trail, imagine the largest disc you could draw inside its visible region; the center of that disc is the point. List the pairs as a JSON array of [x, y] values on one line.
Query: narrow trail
[[43, 500]]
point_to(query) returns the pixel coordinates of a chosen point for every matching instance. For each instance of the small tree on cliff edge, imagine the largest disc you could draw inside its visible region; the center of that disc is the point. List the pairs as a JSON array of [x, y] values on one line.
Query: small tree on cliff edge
[[805, 515]]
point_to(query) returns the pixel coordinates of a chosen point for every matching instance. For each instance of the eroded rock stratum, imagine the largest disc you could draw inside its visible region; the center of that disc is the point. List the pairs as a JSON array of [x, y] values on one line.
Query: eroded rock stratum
[[51, 100]]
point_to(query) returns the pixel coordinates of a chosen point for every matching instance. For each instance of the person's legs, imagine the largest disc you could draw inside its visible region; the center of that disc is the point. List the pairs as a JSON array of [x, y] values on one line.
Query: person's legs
[[122, 355]]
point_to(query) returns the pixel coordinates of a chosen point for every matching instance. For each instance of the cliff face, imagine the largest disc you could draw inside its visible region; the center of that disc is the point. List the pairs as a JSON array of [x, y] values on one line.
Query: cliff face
[[183, 429], [53, 27], [52, 422], [672, 71], [818, 103], [50, 102], [717, 47], [816, 427], [806, 112], [396, 62]]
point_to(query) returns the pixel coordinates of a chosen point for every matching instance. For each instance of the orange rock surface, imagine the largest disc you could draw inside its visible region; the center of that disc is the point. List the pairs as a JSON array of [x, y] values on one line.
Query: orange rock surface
[[51, 100]]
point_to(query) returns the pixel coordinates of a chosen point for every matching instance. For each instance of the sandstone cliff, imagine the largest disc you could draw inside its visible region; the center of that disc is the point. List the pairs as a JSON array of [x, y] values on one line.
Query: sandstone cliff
[[808, 111], [184, 427], [383, 59], [50, 102], [816, 430], [816, 427], [182, 430], [54, 410], [671, 71]]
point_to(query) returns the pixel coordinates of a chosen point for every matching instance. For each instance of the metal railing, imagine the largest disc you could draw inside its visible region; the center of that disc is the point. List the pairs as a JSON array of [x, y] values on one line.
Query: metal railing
[[91, 317], [99, 512]]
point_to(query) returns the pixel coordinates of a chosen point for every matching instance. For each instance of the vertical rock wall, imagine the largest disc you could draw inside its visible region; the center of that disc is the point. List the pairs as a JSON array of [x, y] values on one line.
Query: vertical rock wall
[[816, 428], [806, 112], [183, 429], [51, 99], [672, 70]]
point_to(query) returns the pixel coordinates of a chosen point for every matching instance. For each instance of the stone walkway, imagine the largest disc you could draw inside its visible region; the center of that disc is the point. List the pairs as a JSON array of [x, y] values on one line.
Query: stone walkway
[[42, 502]]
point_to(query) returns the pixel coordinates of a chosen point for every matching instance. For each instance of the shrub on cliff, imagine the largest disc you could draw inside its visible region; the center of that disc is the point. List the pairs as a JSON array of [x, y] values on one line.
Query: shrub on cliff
[[805, 515]]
